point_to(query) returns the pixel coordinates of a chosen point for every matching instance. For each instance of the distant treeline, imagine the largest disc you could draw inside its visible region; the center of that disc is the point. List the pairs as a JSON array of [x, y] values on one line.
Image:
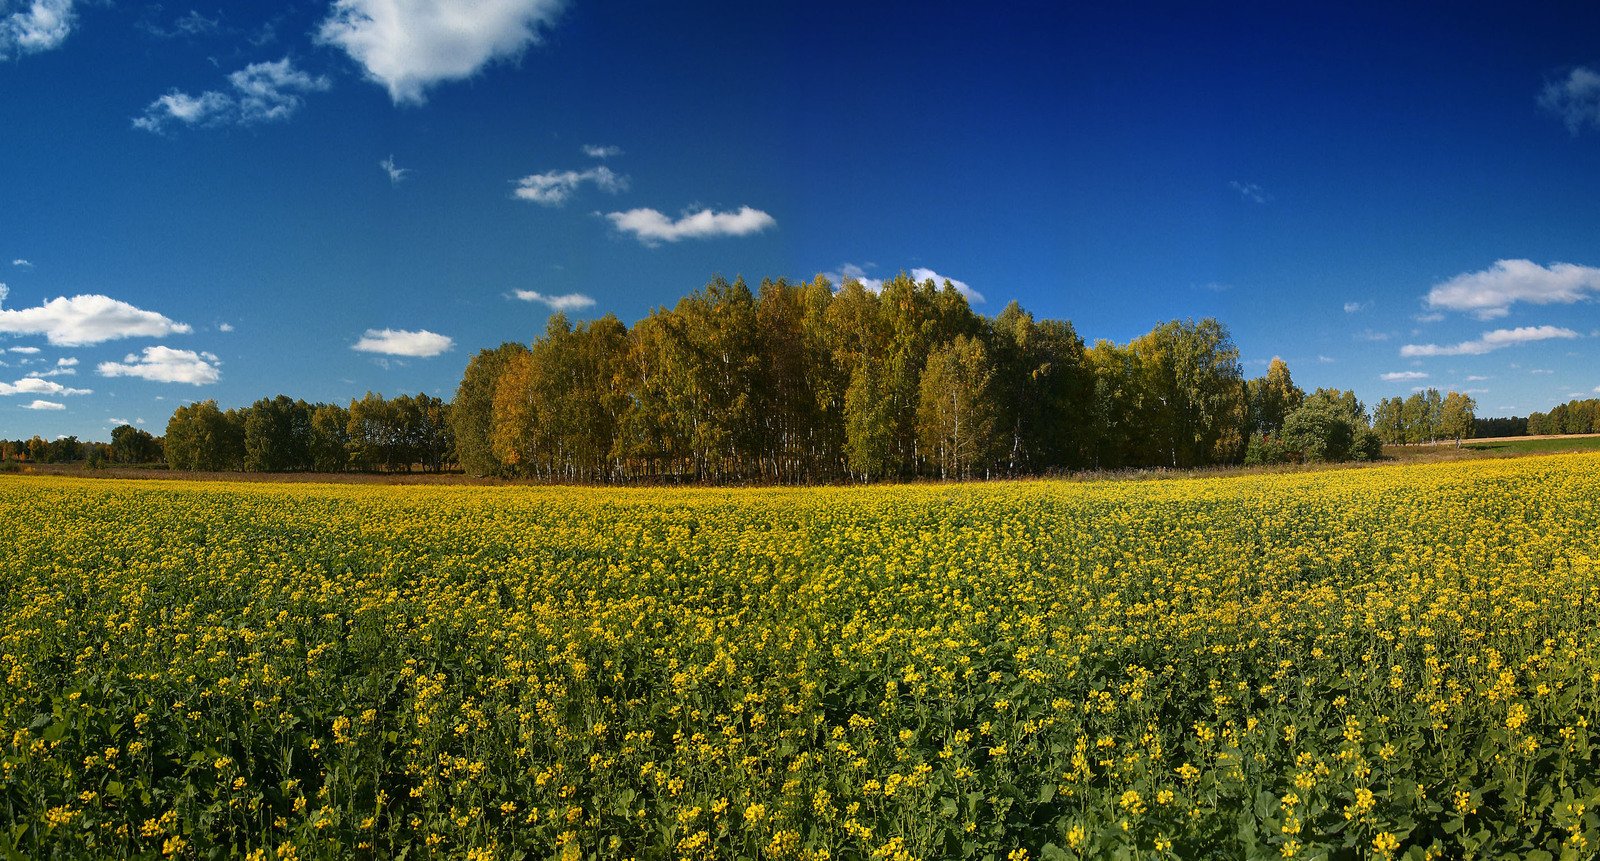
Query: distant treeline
[[1576, 416], [798, 383]]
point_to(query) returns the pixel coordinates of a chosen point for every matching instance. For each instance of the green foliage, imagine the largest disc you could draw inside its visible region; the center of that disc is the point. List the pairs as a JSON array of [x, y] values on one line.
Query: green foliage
[[1319, 431]]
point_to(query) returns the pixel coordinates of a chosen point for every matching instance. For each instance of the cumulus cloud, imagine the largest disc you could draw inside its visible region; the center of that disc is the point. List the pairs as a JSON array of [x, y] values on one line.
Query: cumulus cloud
[[37, 26], [1491, 292], [1575, 99], [554, 187], [595, 151], [22, 263], [652, 228], [1250, 191], [36, 386], [563, 302], [1402, 376], [166, 365], [261, 92], [395, 172], [852, 272], [399, 342], [26, 351], [87, 319], [224, 327], [411, 45], [1489, 342], [44, 405]]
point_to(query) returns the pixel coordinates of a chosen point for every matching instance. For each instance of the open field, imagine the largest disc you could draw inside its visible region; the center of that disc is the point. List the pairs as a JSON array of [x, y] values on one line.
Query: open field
[[1397, 661]]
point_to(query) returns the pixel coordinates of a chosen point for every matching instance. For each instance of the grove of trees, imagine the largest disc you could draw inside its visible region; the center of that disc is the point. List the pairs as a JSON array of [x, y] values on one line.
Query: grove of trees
[[1575, 416], [282, 435], [800, 382]]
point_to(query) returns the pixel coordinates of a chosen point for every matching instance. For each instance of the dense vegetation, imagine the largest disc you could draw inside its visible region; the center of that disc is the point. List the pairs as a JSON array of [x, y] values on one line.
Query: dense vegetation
[[1377, 663], [798, 383]]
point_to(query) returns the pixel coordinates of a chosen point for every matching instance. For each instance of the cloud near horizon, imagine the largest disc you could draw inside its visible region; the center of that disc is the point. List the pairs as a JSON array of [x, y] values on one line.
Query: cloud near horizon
[[1489, 342], [552, 188], [420, 344], [919, 274], [563, 302], [87, 319], [40, 404], [262, 92], [166, 365], [1491, 292], [409, 46], [652, 228]]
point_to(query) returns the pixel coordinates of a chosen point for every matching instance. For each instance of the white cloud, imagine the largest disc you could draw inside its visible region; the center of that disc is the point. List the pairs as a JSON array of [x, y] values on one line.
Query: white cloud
[[1370, 335], [22, 263], [1250, 191], [88, 319], [1576, 99], [116, 422], [852, 272], [36, 386], [166, 365], [396, 174], [224, 327], [1597, 389], [1489, 341], [1325, 360], [26, 351], [1545, 371], [1402, 376], [1491, 292], [44, 405], [410, 45], [1353, 307], [190, 24], [563, 302], [57, 371], [923, 274], [595, 151], [552, 188], [262, 92], [652, 228], [1476, 378], [399, 342], [40, 26]]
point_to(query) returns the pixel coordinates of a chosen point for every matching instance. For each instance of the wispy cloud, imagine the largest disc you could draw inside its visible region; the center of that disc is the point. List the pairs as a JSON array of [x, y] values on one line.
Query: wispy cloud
[[652, 228], [595, 151], [552, 188], [39, 26], [166, 365], [395, 172], [191, 24], [420, 344], [22, 263], [37, 386], [413, 45], [1489, 342], [1371, 335], [1575, 99], [26, 351], [1491, 292], [1325, 360], [89, 319], [1476, 378], [1402, 376], [1250, 191], [563, 302], [261, 92], [1355, 307], [44, 405]]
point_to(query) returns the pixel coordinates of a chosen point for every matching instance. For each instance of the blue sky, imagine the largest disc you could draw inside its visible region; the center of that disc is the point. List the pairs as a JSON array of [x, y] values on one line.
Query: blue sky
[[323, 198]]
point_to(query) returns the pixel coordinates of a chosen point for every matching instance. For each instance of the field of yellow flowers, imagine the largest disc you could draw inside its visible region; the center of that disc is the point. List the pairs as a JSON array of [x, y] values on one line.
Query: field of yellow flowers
[[1388, 662]]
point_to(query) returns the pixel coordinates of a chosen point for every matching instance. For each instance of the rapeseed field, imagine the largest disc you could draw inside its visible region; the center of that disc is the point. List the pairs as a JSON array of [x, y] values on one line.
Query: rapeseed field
[[1396, 662]]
